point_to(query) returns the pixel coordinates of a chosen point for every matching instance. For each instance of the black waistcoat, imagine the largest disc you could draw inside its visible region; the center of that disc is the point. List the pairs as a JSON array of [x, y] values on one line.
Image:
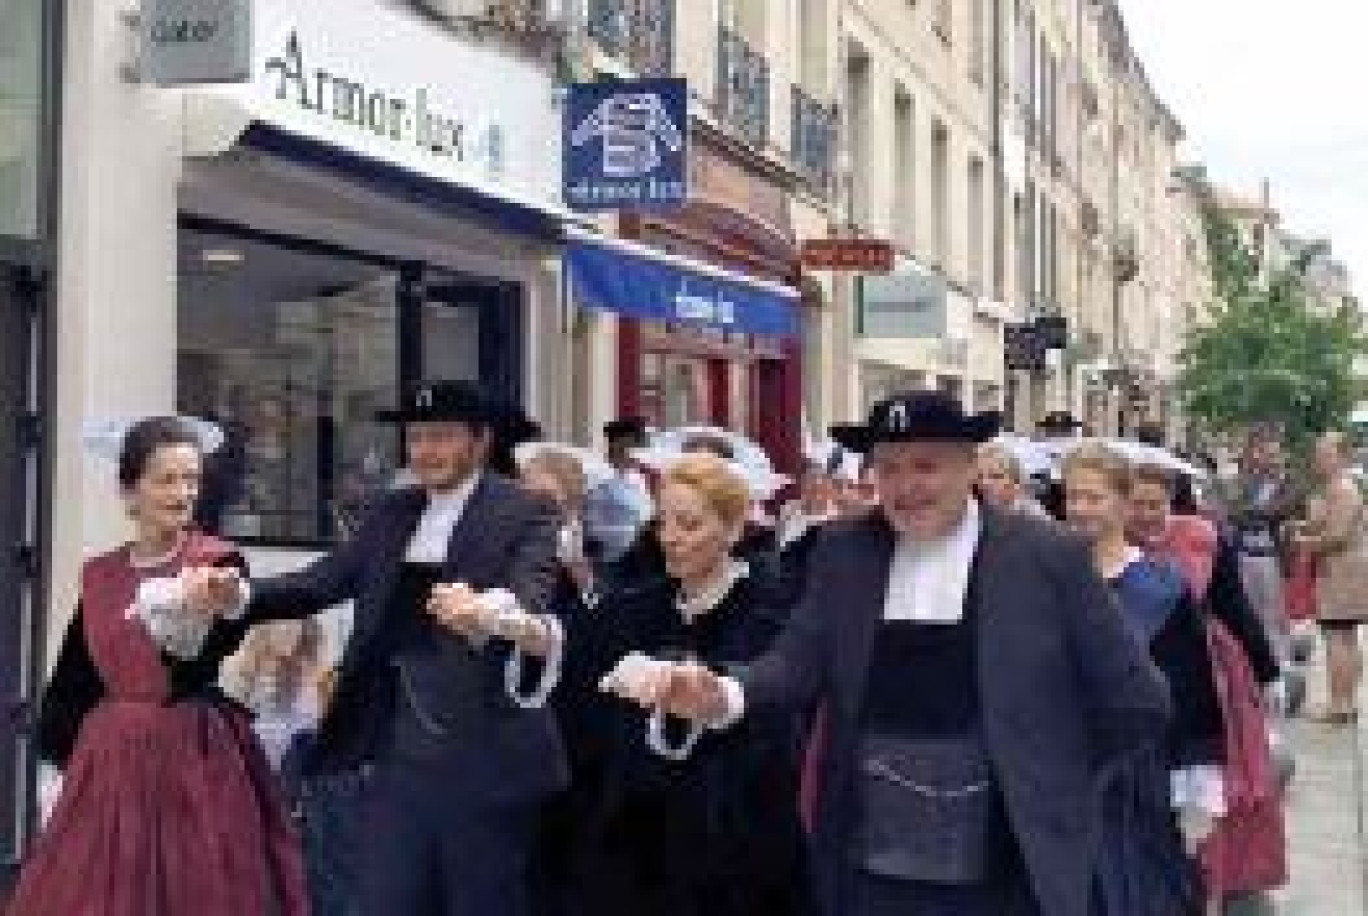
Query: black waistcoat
[[442, 683]]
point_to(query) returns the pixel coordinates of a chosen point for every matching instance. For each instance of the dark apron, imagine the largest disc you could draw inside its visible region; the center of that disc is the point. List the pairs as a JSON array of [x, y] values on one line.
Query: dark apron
[[929, 810]]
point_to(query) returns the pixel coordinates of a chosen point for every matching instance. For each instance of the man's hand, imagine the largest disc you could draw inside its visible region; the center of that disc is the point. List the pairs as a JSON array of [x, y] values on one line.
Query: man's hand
[[685, 690], [457, 607], [211, 591], [691, 691]]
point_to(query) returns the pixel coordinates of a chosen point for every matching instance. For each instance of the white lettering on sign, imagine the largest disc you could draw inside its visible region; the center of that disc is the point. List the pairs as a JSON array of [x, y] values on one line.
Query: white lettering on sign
[[693, 307]]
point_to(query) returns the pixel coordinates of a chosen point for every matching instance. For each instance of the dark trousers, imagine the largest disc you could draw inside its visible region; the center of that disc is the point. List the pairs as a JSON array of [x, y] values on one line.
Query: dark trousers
[[1007, 892], [431, 847], [874, 896]]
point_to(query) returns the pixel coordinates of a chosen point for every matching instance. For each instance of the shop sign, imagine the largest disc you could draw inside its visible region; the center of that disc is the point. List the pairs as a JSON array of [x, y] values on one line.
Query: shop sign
[[408, 117], [870, 256], [376, 80], [626, 145], [910, 302], [1053, 331], [1023, 348], [194, 42]]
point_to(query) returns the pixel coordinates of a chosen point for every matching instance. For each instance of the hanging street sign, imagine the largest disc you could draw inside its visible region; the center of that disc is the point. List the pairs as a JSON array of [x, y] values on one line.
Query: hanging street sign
[[626, 145]]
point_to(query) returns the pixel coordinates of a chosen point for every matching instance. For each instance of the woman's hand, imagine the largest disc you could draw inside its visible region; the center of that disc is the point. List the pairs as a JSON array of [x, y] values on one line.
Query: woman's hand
[[212, 591]]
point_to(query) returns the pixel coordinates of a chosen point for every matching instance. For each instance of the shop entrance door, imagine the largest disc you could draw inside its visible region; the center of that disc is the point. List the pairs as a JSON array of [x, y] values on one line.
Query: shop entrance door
[[18, 559]]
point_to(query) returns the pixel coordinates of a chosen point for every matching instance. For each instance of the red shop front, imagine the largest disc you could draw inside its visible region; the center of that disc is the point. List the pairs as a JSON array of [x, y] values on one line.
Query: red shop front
[[674, 374]]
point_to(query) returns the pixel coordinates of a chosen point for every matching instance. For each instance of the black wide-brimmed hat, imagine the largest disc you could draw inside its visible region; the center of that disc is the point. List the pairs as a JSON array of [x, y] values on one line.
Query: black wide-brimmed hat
[[633, 428], [443, 402], [1059, 421], [917, 416]]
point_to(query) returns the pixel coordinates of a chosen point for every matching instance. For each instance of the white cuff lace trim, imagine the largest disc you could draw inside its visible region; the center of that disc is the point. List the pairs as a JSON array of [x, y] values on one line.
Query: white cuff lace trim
[[160, 607], [659, 742], [551, 668]]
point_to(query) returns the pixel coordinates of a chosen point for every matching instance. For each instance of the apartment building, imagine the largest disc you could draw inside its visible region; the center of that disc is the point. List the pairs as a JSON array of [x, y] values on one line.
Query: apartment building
[[919, 169]]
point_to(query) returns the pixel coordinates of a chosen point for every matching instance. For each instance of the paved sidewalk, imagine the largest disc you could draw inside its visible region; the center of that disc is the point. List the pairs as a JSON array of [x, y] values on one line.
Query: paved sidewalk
[[1326, 818]]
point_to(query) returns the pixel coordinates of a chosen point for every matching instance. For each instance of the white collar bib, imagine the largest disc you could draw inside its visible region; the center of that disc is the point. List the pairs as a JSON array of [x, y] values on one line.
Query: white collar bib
[[708, 600]]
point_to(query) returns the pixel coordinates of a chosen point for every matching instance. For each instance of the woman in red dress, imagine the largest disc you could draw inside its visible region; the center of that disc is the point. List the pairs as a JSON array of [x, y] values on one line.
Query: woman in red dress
[[168, 806]]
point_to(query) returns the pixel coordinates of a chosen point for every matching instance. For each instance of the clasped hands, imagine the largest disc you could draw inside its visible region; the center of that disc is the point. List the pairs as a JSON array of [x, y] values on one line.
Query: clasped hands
[[212, 591], [685, 690], [478, 616]]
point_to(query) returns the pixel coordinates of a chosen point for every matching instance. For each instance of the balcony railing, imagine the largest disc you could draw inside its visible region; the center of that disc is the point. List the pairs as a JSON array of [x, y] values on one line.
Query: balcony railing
[[640, 33], [532, 24], [743, 88], [814, 141]]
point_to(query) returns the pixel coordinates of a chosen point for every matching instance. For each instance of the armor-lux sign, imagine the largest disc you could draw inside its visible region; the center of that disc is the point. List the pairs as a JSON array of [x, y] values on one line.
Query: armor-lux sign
[[626, 145], [869, 256]]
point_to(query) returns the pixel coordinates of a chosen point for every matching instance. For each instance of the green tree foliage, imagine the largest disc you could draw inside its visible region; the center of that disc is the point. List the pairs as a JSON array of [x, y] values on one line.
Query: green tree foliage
[[1267, 355]]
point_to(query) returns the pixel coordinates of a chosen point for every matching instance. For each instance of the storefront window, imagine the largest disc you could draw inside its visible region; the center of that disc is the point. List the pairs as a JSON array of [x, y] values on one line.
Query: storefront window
[[21, 96], [674, 390], [741, 378], [292, 351]]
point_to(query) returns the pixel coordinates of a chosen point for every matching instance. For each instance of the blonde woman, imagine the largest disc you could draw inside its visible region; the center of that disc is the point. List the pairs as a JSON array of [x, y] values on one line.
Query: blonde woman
[[689, 820], [1334, 537], [1002, 481], [1161, 803]]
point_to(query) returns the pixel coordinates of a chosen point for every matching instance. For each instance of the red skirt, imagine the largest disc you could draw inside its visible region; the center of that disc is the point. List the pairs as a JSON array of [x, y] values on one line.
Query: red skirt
[[1301, 587], [165, 811]]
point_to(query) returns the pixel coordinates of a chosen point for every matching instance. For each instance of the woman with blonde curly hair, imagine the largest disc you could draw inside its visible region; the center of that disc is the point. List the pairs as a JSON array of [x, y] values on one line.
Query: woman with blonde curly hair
[[690, 820]]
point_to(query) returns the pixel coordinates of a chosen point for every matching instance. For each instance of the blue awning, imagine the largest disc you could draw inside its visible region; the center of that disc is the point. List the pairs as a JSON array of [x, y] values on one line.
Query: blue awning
[[659, 287]]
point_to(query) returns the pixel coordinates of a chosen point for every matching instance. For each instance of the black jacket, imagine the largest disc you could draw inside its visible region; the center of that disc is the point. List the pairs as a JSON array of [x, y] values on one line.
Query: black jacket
[[506, 538], [1227, 602], [1065, 689]]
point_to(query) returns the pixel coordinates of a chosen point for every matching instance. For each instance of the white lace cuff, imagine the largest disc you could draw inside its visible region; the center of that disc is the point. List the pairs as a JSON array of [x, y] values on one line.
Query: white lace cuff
[[1200, 788], [659, 742], [239, 608], [160, 607], [550, 673]]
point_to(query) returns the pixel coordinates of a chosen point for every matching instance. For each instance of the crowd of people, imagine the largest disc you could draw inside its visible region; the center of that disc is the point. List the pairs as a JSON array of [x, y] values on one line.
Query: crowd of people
[[932, 681]]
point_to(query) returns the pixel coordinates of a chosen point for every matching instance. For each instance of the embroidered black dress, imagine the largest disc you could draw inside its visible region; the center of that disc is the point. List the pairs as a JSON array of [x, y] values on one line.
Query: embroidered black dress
[[717, 834]]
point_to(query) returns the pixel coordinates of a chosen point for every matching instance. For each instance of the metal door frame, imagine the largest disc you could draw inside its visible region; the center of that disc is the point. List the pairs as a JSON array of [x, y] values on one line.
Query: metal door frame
[[23, 534], [27, 267]]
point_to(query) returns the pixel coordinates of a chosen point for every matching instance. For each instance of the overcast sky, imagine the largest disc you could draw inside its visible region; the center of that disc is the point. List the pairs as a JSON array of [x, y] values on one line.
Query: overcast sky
[[1276, 89]]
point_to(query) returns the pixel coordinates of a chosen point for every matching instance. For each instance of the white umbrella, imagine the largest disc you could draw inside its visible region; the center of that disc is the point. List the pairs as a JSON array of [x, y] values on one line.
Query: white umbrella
[[104, 438], [748, 458], [1143, 453], [743, 450], [1036, 457]]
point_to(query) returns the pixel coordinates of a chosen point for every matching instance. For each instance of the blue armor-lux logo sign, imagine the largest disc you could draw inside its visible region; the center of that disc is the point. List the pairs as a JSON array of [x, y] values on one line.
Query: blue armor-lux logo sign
[[626, 145]]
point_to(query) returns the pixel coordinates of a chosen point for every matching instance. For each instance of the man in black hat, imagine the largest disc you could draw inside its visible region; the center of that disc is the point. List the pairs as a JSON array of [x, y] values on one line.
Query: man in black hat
[[441, 693], [977, 678], [623, 436], [1059, 424]]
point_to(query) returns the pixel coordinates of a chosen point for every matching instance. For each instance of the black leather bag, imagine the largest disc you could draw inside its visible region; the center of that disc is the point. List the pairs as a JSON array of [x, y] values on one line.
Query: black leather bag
[[928, 810]]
